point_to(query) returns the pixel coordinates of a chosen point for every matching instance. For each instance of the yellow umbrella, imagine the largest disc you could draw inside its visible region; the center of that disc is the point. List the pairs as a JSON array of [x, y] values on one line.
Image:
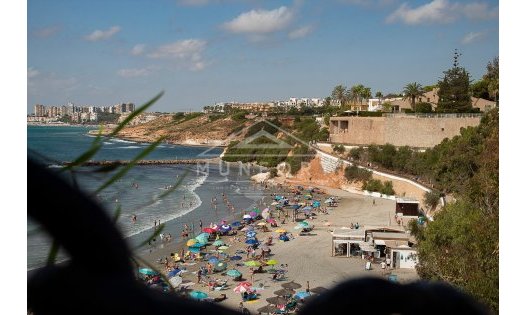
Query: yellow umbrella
[[280, 231], [271, 262], [252, 263], [191, 242]]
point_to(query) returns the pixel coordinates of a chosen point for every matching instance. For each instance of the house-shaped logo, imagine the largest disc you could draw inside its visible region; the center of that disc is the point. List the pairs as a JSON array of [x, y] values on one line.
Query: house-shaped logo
[[262, 140]]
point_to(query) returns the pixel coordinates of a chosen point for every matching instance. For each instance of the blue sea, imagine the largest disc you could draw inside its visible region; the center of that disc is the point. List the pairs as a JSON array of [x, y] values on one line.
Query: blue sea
[[138, 193]]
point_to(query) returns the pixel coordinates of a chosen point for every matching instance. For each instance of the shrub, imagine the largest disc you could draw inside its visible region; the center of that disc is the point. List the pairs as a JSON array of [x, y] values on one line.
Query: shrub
[[273, 172], [355, 153], [432, 198], [354, 173], [338, 148], [387, 188], [423, 107]]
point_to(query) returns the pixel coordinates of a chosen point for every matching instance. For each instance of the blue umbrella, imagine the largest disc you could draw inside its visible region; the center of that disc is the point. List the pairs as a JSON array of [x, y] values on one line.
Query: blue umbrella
[[296, 207], [225, 228], [316, 204], [236, 258], [233, 273], [251, 241], [301, 295], [198, 295], [308, 208], [148, 271], [251, 234], [194, 249], [213, 260], [174, 273], [235, 224]]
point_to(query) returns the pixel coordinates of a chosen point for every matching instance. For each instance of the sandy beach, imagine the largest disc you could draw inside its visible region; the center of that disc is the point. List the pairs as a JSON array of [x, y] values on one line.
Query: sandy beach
[[308, 257]]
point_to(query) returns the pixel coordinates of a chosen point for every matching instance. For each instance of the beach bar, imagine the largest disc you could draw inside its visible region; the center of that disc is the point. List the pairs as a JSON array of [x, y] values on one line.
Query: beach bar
[[343, 239]]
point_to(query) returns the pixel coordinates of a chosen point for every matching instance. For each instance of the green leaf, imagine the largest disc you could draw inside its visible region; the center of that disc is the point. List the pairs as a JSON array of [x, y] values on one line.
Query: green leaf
[[134, 114], [95, 147], [53, 252], [155, 233], [117, 213], [132, 163]]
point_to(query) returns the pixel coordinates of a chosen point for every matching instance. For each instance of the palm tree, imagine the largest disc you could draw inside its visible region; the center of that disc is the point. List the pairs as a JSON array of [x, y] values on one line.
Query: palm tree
[[365, 94], [356, 91], [412, 91], [338, 93]]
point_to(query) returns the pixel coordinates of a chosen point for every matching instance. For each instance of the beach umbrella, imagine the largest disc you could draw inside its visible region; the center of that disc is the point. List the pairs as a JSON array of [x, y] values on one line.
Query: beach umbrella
[[220, 266], [236, 258], [194, 249], [209, 230], [191, 242], [198, 295], [241, 289], [226, 227], [233, 273], [296, 207], [213, 260], [308, 208], [318, 290], [197, 245], [280, 231], [291, 285], [284, 292], [268, 309], [204, 234], [175, 281], [246, 284], [251, 234], [148, 271], [271, 221], [277, 300], [202, 241], [253, 214], [218, 243], [252, 263], [304, 224], [235, 224], [247, 216], [251, 241], [302, 295], [316, 204], [222, 247], [271, 262], [173, 273]]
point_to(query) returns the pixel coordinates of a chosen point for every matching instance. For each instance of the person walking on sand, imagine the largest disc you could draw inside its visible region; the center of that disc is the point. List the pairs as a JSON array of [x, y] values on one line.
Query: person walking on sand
[[374, 202], [200, 224]]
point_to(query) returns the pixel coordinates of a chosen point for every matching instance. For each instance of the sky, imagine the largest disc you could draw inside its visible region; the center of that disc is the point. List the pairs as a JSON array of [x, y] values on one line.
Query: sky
[[205, 51]]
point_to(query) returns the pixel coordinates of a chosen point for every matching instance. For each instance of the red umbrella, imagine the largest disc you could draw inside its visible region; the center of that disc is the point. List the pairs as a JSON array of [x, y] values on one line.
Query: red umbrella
[[245, 284], [209, 230]]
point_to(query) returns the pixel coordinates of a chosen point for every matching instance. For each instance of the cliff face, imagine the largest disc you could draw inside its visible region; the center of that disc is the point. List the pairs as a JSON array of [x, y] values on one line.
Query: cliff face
[[196, 131]]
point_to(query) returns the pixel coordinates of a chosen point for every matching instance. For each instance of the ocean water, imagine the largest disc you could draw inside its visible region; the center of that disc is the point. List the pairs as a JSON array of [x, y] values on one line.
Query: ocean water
[[138, 193]]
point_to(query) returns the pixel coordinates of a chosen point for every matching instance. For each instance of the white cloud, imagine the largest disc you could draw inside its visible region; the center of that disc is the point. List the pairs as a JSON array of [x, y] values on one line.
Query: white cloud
[[31, 73], [300, 32], [102, 35], [480, 11], [132, 73], [472, 37], [138, 49], [187, 53], [441, 11], [260, 21]]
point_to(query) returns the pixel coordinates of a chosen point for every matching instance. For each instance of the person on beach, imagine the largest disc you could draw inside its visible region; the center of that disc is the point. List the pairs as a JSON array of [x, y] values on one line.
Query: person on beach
[[199, 272], [134, 218], [200, 224]]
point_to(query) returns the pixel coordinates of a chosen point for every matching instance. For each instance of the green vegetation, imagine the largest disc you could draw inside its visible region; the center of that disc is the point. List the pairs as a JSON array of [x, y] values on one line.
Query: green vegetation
[[431, 199], [107, 118], [453, 90], [273, 172], [412, 91], [338, 148], [180, 117], [377, 185], [354, 173], [423, 107], [461, 245]]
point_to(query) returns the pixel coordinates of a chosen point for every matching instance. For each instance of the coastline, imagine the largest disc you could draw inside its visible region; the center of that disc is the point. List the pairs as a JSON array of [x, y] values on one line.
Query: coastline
[[313, 249]]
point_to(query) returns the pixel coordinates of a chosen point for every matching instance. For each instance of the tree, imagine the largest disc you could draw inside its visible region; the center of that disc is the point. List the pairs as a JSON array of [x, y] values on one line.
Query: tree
[[387, 107], [412, 91], [453, 90], [339, 93], [327, 101], [492, 77], [355, 93], [365, 93]]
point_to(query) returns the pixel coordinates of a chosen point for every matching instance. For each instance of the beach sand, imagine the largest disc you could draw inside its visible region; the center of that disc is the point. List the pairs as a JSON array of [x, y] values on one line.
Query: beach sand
[[308, 257]]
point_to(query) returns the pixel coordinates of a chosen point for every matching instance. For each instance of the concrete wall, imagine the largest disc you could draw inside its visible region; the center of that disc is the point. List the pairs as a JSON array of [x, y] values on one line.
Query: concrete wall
[[399, 130]]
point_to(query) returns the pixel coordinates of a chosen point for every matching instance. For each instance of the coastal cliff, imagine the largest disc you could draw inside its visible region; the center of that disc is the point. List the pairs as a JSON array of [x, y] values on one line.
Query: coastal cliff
[[201, 130]]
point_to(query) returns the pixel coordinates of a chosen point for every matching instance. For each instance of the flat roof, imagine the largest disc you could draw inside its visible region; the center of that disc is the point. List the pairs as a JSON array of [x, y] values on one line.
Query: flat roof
[[346, 232], [392, 236]]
